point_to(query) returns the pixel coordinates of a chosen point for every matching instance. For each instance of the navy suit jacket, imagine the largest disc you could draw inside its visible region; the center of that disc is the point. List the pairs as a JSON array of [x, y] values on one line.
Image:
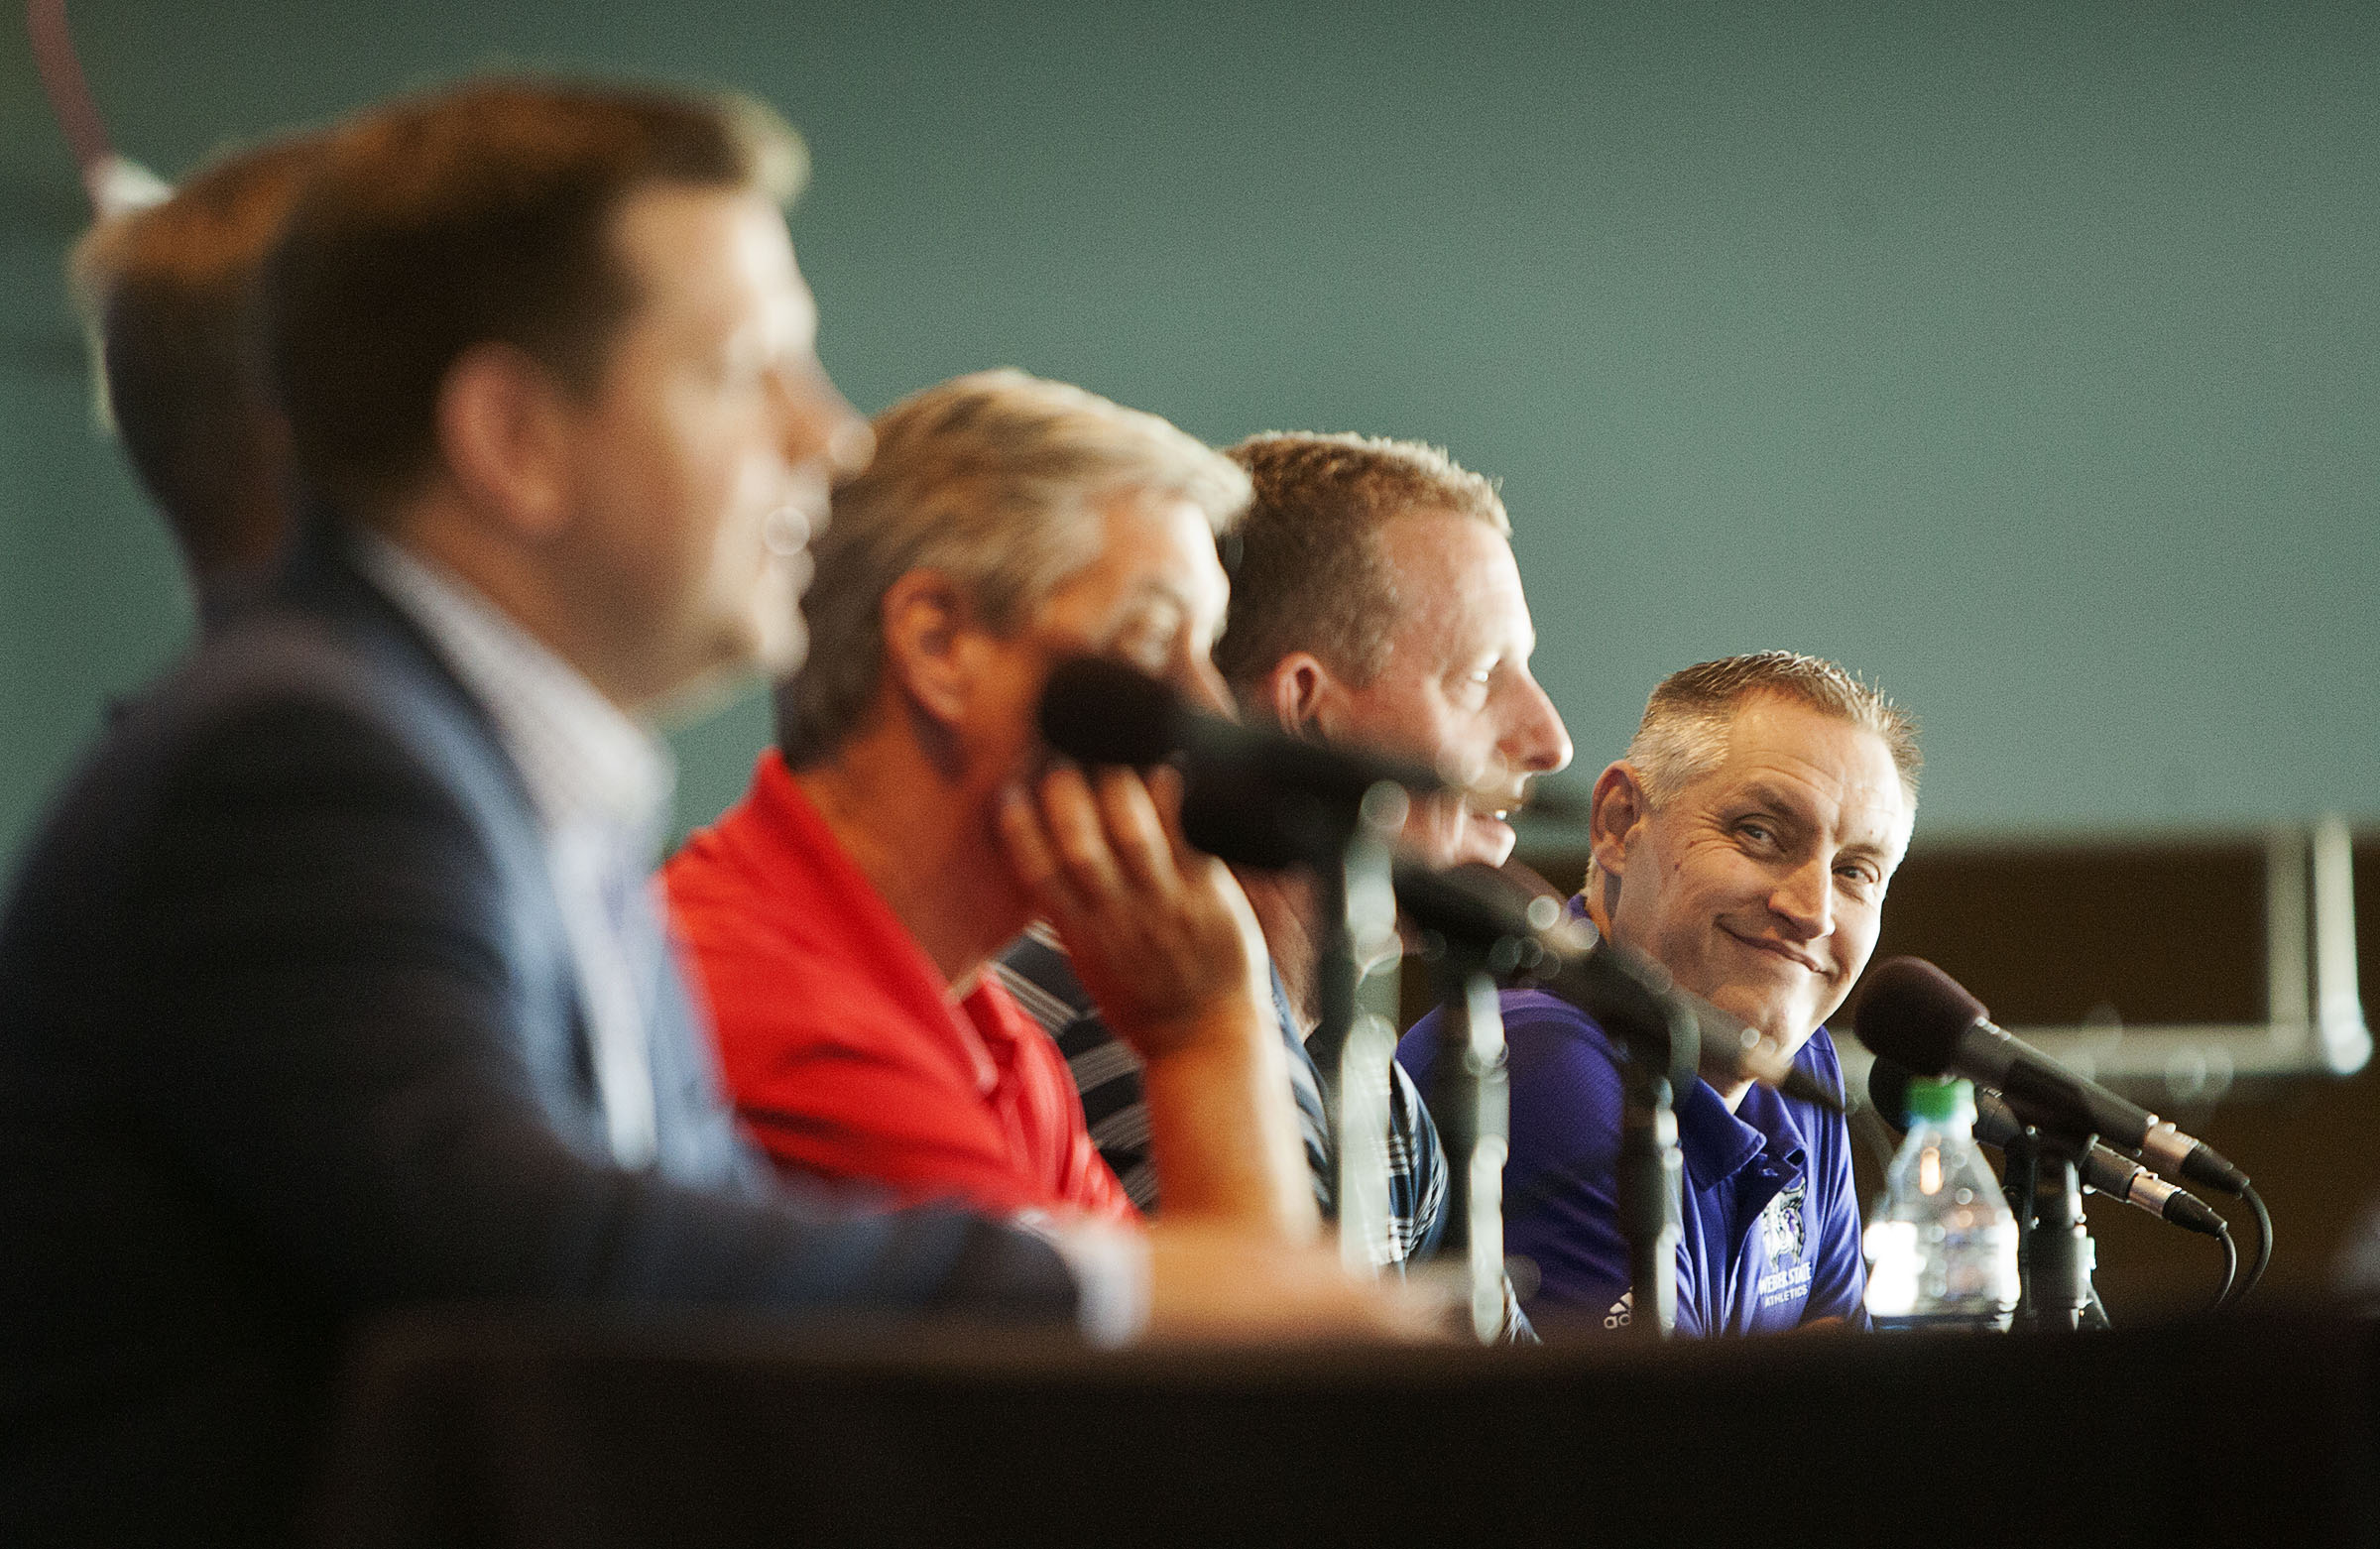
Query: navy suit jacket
[[289, 1034]]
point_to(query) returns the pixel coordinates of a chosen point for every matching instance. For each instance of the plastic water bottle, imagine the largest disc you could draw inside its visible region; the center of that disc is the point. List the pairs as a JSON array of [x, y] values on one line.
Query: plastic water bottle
[[1942, 1246]]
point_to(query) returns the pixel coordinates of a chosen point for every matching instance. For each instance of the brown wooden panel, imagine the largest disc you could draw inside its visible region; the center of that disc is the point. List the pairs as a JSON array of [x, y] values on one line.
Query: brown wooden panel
[[2047, 936]]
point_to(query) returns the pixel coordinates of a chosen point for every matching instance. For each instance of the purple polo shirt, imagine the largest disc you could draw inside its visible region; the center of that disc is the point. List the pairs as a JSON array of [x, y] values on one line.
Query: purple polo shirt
[[1771, 1229]]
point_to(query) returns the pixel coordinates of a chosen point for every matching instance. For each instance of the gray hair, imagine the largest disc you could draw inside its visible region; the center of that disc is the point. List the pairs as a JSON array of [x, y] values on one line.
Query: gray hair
[[997, 480], [1684, 733]]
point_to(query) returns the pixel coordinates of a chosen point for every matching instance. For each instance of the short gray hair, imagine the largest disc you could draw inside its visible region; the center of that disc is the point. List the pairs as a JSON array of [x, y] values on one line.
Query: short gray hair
[[1684, 733], [999, 481]]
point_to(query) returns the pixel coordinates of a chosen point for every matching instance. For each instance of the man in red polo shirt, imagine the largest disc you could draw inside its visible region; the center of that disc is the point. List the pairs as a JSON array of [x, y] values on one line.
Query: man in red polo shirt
[[907, 825]]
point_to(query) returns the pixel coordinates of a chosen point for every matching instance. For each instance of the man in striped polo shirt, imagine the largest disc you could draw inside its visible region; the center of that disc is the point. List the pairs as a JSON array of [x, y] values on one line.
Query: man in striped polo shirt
[[1374, 599]]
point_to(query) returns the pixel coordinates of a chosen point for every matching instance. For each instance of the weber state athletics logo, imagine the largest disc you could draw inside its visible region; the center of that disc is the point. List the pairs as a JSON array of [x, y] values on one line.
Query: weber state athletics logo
[[1784, 1228], [1785, 1233]]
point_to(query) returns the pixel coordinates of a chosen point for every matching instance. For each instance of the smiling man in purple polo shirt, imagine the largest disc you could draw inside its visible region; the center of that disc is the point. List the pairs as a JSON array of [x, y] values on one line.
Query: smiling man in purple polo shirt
[[1744, 843]]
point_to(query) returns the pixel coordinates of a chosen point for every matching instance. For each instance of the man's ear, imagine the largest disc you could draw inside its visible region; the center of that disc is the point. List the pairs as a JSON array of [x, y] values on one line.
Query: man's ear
[[1614, 813], [501, 439], [925, 618], [1296, 693]]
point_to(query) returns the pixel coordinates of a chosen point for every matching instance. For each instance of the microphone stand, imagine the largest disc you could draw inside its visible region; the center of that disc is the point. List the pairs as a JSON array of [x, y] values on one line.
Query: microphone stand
[[1470, 1098], [1349, 856], [1474, 949], [2054, 1253], [1664, 1041], [1245, 814], [1352, 1048], [1651, 1179]]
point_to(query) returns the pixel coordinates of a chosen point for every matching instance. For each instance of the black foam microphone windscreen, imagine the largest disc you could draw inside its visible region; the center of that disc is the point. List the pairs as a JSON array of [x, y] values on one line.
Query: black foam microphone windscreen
[[1104, 712], [1914, 1012]]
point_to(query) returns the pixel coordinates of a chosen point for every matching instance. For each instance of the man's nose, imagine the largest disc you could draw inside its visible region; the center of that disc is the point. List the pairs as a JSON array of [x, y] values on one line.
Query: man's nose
[[1535, 742], [1804, 897], [822, 429], [1201, 687]]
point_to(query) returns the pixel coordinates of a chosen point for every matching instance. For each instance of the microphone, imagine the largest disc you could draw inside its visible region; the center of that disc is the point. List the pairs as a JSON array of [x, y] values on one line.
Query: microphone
[[1548, 950], [1996, 1124], [1914, 1012], [1251, 794], [1100, 711]]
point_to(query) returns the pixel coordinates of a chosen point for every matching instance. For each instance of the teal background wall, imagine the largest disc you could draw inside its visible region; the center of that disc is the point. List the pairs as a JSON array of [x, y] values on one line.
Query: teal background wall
[[2025, 357]]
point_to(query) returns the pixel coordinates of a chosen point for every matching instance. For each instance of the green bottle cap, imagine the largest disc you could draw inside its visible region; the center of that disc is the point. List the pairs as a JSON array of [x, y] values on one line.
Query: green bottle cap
[[1942, 1100]]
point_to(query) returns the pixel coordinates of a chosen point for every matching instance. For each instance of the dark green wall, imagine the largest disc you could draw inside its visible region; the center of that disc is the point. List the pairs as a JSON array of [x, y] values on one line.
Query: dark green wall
[[2025, 357]]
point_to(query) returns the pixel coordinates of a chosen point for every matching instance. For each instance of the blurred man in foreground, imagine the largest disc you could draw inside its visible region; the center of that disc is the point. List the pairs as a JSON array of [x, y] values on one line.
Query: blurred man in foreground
[[1744, 843], [333, 979], [902, 829], [1375, 600]]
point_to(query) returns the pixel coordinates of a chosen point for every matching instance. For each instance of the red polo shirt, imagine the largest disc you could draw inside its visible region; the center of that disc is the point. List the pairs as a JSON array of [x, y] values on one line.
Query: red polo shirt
[[841, 1046]]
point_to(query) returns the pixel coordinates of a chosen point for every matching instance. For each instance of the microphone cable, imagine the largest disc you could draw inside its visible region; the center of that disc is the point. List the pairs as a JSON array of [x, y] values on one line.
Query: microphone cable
[[2223, 1297], [2264, 1242]]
